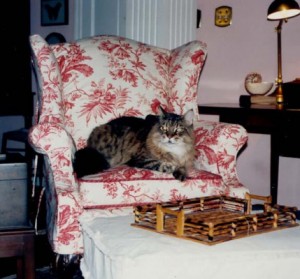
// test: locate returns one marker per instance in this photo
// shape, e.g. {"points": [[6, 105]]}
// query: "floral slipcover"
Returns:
{"points": [[93, 80]]}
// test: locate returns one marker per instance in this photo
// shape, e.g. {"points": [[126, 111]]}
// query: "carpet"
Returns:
{"points": [[46, 273]]}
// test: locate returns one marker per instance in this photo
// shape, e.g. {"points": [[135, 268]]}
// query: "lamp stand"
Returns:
{"points": [[281, 10], [279, 91]]}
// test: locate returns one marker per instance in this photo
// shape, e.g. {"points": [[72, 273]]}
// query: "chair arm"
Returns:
{"points": [[58, 147], [63, 198], [217, 147]]}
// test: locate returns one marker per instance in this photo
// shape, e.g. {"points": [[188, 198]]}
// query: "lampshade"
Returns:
{"points": [[282, 9]]}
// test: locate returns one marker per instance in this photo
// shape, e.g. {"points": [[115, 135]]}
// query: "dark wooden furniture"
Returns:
{"points": [[281, 123], [19, 243]]}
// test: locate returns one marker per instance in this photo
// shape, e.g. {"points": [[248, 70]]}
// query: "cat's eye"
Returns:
{"points": [[163, 129], [179, 131]]}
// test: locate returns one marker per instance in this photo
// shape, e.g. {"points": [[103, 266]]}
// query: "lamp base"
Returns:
{"points": [[278, 93]]}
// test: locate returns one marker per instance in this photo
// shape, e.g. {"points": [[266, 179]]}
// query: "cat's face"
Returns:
{"points": [[175, 129]]}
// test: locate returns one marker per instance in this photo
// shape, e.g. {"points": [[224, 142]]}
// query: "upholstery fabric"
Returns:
{"points": [[93, 80]]}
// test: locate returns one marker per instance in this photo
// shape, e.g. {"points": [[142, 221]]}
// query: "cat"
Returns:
{"points": [[162, 143]]}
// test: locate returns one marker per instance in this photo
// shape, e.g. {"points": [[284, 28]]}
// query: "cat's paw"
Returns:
{"points": [[167, 167], [179, 174]]}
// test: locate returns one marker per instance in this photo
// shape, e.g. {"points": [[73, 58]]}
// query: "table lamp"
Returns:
{"points": [[281, 10]]}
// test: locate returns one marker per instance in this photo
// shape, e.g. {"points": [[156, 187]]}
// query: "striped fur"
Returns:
{"points": [[163, 143]]}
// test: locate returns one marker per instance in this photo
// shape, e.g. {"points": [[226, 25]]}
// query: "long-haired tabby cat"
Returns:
{"points": [[162, 143]]}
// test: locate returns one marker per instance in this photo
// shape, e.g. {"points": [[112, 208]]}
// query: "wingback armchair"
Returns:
{"points": [[93, 80]]}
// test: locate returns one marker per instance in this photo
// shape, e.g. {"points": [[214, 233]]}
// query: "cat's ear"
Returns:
{"points": [[189, 117], [162, 112]]}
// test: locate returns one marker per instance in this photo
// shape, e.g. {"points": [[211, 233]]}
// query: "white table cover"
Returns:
{"points": [[116, 250]]}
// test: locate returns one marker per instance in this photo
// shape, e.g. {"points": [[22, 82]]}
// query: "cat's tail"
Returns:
{"points": [[89, 161]]}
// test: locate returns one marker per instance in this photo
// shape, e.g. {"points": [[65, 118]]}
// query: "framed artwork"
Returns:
{"points": [[54, 12]]}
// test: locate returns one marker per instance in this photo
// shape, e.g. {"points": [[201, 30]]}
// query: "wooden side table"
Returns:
{"points": [[19, 243]]}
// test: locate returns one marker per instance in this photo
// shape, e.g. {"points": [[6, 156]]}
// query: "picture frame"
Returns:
{"points": [[54, 12]]}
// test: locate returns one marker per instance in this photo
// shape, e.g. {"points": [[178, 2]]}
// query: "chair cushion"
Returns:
{"points": [[124, 186]]}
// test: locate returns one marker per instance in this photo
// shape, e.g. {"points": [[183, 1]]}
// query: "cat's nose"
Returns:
{"points": [[169, 139]]}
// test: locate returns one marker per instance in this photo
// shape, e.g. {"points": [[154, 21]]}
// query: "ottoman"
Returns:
{"points": [[113, 249]]}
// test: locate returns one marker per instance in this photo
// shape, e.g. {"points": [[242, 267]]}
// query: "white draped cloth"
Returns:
{"points": [[113, 249]]}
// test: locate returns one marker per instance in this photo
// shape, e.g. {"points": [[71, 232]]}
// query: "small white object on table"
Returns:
{"points": [[113, 249], [261, 88]]}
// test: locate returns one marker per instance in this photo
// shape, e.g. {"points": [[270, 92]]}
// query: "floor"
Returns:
{"points": [[44, 273]]}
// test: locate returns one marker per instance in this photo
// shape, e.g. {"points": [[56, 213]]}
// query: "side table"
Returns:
{"points": [[19, 243]]}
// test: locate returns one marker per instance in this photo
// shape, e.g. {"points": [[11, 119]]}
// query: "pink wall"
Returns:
{"points": [[249, 44]]}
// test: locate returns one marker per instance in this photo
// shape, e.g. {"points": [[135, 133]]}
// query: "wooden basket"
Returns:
{"points": [[214, 219]]}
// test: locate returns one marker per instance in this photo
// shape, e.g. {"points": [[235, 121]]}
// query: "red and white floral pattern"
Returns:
{"points": [[96, 79]]}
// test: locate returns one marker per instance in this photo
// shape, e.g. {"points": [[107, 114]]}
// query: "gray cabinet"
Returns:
{"points": [[13, 192]]}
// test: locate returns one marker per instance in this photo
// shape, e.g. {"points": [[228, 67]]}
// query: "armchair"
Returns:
{"points": [[93, 80]]}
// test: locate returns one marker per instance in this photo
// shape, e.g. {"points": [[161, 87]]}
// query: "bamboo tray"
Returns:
{"points": [[214, 219]]}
